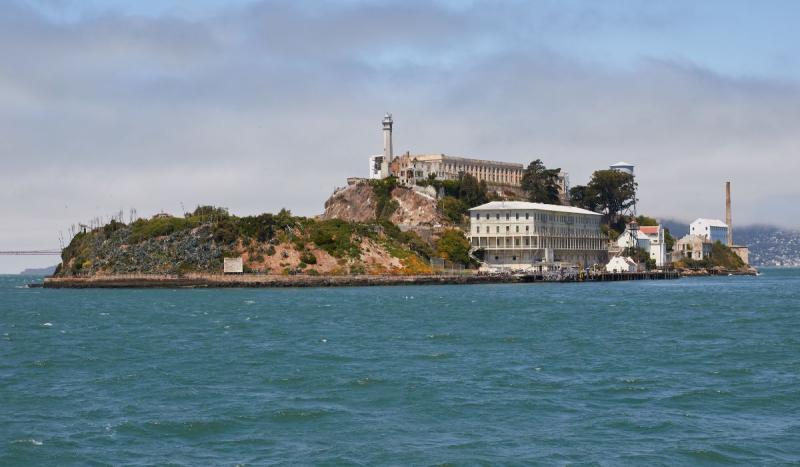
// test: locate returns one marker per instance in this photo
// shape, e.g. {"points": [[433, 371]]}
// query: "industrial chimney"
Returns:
{"points": [[728, 212]]}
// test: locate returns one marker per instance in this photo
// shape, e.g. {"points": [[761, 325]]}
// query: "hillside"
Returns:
{"points": [[273, 244], [769, 245], [47, 271]]}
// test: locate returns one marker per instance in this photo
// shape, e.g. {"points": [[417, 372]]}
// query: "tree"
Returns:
{"points": [[453, 208], [580, 196], [613, 192], [454, 246], [471, 191], [669, 240], [644, 220], [541, 183]]}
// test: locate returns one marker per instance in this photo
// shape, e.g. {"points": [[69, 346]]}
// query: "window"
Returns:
{"points": [[513, 258], [527, 215], [516, 215], [497, 216], [498, 229], [508, 228], [517, 229], [527, 228], [506, 216], [478, 229]]}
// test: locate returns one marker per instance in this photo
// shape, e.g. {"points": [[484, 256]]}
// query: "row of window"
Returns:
{"points": [[559, 231], [481, 168], [536, 242], [542, 217], [497, 229]]}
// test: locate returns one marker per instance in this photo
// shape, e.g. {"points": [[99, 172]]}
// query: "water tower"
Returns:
{"points": [[632, 226], [622, 167]]}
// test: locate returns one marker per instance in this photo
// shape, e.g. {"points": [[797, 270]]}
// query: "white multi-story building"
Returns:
{"points": [[650, 239], [712, 229], [522, 235]]}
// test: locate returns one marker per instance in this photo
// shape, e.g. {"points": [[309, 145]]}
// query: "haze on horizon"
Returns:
{"points": [[257, 105]]}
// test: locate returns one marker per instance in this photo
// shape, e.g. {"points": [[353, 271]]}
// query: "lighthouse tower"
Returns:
{"points": [[387, 146]]}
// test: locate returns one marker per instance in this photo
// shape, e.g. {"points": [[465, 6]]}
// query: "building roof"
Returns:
{"points": [[711, 222], [522, 205], [694, 238], [464, 160], [627, 259], [650, 229], [622, 164]]}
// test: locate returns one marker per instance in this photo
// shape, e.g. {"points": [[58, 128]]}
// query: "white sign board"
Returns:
{"points": [[233, 265]]}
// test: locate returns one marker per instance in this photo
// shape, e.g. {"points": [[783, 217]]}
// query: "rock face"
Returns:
{"points": [[415, 209], [358, 203], [354, 203], [300, 247]]}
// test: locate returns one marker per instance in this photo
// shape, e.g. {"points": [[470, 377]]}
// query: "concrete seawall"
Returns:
{"points": [[253, 280]]}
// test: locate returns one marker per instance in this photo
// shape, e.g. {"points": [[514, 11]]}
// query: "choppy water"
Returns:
{"points": [[688, 372]]}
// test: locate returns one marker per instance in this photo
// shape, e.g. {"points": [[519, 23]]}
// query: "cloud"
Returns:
{"points": [[274, 104]]}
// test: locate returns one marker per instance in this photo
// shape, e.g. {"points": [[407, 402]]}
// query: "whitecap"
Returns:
{"points": [[249, 302], [32, 441], [47, 324], [324, 340]]}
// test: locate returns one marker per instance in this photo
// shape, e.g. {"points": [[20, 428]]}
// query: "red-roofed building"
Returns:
{"points": [[649, 238]]}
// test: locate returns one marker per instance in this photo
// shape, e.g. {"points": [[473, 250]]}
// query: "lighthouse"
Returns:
{"points": [[387, 146]]}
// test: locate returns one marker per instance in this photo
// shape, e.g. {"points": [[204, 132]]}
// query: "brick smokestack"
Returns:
{"points": [[728, 212]]}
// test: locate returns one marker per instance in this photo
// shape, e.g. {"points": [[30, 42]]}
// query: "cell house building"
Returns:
{"points": [[518, 235]]}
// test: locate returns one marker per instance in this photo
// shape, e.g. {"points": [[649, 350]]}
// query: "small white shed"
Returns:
{"points": [[621, 264]]}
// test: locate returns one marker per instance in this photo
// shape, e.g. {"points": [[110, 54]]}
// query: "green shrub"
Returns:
{"points": [[454, 246], [260, 228], [112, 227], [225, 231], [384, 204], [143, 229], [357, 269], [308, 257], [453, 208], [335, 236]]}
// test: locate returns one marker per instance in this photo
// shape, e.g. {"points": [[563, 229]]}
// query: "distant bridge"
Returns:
{"points": [[31, 253]]}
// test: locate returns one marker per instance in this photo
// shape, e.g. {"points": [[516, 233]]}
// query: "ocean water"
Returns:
{"points": [[700, 371]]}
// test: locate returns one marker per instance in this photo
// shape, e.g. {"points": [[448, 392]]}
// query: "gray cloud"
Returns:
{"points": [[274, 104]]}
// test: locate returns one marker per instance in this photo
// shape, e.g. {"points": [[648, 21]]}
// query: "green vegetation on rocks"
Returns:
{"points": [[200, 240], [454, 246], [721, 257], [385, 205], [459, 195]]}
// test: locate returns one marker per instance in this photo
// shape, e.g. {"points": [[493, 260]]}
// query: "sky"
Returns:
{"points": [[256, 105]]}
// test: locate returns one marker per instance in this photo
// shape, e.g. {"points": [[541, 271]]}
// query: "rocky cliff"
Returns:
{"points": [[270, 244], [409, 208]]}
